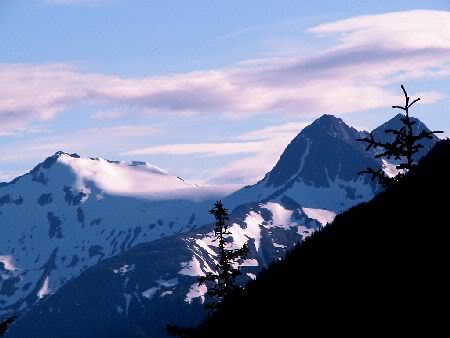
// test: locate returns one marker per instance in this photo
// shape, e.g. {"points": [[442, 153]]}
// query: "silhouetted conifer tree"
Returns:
{"points": [[224, 277], [5, 324], [402, 149], [222, 282]]}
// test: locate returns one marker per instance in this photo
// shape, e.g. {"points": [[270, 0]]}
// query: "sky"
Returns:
{"points": [[211, 91]]}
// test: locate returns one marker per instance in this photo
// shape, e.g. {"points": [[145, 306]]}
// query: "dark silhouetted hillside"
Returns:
{"points": [[379, 268]]}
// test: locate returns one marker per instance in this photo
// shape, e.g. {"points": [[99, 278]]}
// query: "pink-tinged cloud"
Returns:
{"points": [[106, 141], [209, 149], [261, 147], [370, 54]]}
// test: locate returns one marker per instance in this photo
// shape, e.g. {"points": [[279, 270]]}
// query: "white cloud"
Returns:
{"points": [[105, 140], [370, 54], [261, 147], [397, 30], [267, 133], [253, 167], [199, 148]]}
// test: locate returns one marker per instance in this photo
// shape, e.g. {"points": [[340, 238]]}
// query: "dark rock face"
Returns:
{"points": [[45, 199], [73, 198], [319, 167], [325, 150], [55, 226]]}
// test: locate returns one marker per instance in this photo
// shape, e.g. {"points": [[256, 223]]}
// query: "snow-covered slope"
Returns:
{"points": [[69, 213], [139, 291]]}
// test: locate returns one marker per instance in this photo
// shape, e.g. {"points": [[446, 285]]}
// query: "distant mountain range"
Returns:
{"points": [[119, 246]]}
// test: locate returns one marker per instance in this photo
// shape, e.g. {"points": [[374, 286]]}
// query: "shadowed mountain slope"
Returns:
{"points": [[380, 267]]}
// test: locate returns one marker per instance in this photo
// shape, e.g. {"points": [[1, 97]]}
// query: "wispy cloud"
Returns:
{"points": [[215, 149], [369, 54], [251, 168], [105, 140], [261, 149]]}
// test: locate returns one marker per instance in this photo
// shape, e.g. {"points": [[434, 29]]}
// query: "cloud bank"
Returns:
{"points": [[369, 54]]}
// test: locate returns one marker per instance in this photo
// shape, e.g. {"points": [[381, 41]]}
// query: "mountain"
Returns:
{"points": [[90, 239], [318, 169], [69, 213], [378, 268], [395, 123], [136, 293]]}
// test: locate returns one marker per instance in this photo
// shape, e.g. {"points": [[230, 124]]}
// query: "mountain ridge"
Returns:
{"points": [[83, 224]]}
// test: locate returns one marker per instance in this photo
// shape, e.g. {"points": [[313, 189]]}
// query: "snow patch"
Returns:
{"points": [[124, 269], [390, 169], [249, 262], [253, 230], [196, 291], [192, 268], [304, 231], [281, 217], [44, 290], [150, 293], [321, 215], [251, 275], [204, 245], [8, 262]]}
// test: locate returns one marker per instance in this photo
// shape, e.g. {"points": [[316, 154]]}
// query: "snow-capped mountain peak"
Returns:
{"points": [[70, 212], [122, 178]]}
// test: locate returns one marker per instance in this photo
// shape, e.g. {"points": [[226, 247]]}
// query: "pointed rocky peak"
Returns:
{"points": [[318, 169], [324, 148], [395, 123], [331, 126], [49, 161]]}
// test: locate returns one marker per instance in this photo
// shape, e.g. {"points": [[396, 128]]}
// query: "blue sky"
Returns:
{"points": [[210, 90]]}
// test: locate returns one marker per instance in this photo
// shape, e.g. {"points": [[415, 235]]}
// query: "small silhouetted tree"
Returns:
{"points": [[223, 279], [221, 282], [402, 149], [5, 324]]}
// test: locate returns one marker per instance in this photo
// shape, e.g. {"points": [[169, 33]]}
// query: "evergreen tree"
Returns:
{"points": [[222, 282], [402, 149], [224, 277]]}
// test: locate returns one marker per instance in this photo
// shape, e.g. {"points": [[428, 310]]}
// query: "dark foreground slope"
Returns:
{"points": [[380, 267]]}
